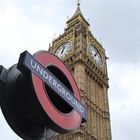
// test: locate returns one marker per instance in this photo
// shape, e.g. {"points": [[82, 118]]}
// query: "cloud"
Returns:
{"points": [[19, 32], [12, 26], [120, 28], [124, 100]]}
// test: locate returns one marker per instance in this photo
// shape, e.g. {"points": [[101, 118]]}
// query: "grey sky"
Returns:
{"points": [[31, 25]]}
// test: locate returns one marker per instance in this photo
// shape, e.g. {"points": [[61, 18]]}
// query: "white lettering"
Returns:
{"points": [[63, 91], [73, 101], [54, 83], [50, 79], [45, 74], [40, 70], [81, 109], [33, 66], [68, 95], [59, 87]]}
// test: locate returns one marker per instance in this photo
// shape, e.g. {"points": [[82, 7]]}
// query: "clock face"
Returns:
{"points": [[63, 50], [96, 56]]}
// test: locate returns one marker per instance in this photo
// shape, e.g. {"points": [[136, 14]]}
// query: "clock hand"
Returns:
{"points": [[62, 51], [95, 54]]}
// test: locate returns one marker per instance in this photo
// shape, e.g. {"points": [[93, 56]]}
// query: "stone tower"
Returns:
{"points": [[86, 59]]}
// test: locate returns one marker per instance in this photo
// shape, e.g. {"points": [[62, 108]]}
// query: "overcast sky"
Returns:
{"points": [[32, 24]]}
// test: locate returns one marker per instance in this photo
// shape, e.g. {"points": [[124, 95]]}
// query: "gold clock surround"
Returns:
{"points": [[96, 57], [64, 50]]}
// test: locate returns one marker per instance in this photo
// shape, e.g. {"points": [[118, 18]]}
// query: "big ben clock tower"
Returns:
{"points": [[86, 59]]}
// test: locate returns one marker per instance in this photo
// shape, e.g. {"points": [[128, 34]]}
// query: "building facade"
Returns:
{"points": [[86, 59]]}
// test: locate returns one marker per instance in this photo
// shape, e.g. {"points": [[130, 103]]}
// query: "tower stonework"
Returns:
{"points": [[86, 59]]}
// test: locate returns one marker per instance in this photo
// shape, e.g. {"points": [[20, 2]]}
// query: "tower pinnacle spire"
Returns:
{"points": [[78, 3], [77, 17]]}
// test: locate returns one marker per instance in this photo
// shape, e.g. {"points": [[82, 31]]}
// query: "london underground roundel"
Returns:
{"points": [[62, 116]]}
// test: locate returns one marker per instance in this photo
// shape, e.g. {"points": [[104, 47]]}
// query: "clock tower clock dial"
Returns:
{"points": [[63, 50], [95, 55]]}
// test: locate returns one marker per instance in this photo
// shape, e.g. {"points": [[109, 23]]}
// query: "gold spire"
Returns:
{"points": [[77, 15], [78, 10]]}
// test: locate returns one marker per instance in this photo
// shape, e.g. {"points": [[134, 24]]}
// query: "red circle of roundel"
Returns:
{"points": [[66, 121]]}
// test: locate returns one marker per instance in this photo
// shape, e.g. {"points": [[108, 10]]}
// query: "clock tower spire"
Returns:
{"points": [[86, 59], [78, 2], [77, 17]]}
